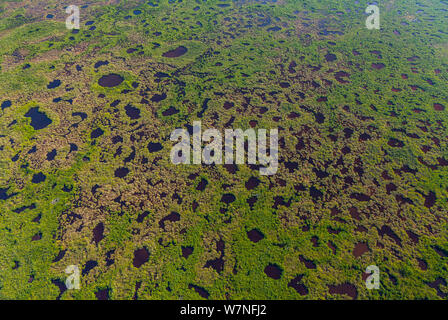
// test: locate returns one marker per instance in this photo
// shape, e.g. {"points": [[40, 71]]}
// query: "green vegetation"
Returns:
{"points": [[363, 175]]}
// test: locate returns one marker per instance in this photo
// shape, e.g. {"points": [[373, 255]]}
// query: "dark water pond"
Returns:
{"points": [[89, 266], [23, 208], [132, 112], [101, 63], [315, 193], [73, 147], [158, 97], [216, 264], [422, 264], [440, 251], [61, 285], [430, 199], [360, 249], [386, 230], [299, 287], [39, 120], [37, 237], [4, 194], [170, 111], [154, 147], [252, 183], [51, 155], [141, 217], [330, 57], [378, 66], [141, 256], [161, 75], [437, 107], [251, 202], [60, 255], [138, 284], [341, 75], [309, 264], [121, 172], [187, 251], [38, 178], [110, 80], [54, 84], [6, 104], [201, 291], [345, 288], [273, 271], [179, 51], [274, 29], [255, 235], [98, 232], [172, 217], [131, 156], [360, 197], [395, 143], [102, 294], [202, 185], [98, 132], [109, 260], [228, 198]]}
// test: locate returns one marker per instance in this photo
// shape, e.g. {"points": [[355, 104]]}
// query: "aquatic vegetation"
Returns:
{"points": [[86, 180]]}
